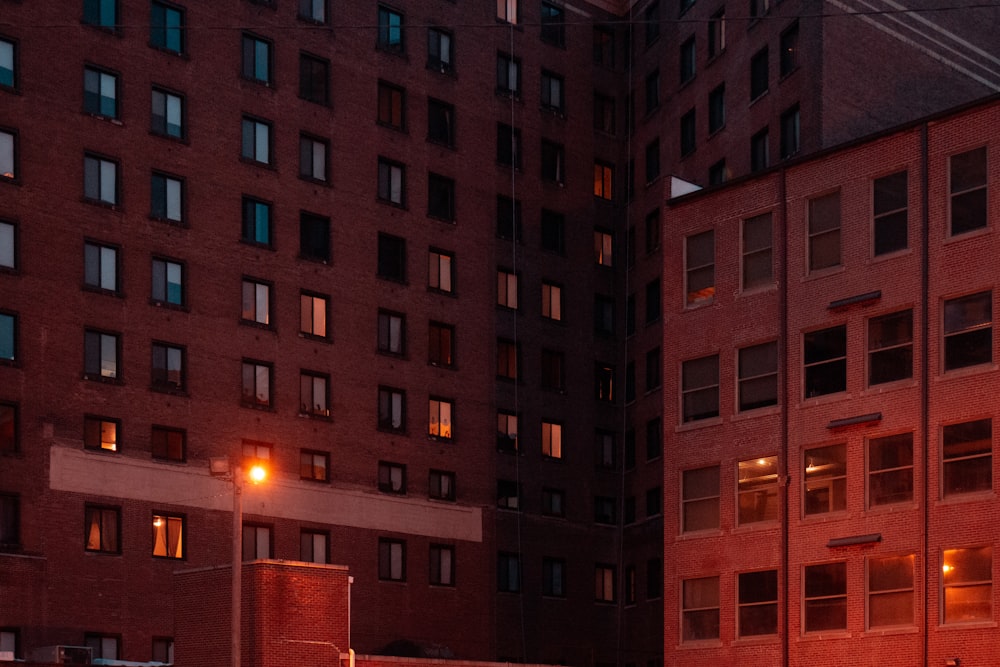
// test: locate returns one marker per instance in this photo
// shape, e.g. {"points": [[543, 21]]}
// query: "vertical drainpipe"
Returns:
{"points": [[783, 477], [925, 369]]}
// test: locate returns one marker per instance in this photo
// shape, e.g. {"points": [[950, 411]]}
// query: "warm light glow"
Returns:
{"points": [[157, 521], [761, 462], [257, 474], [946, 568]]}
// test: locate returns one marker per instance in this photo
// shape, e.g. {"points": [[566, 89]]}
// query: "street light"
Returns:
{"points": [[220, 467]]}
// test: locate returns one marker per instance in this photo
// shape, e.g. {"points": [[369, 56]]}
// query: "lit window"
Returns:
{"points": [[101, 356], [314, 394], [314, 547], [603, 248], [508, 74], [256, 384], [391, 477], [825, 479], [554, 577], [314, 466], [967, 456], [825, 361], [824, 232], [758, 376], [100, 266], [508, 565], [313, 314], [890, 469], [255, 452], [168, 536], [256, 140], [166, 195], [312, 158], [103, 526], [824, 597], [167, 114], [604, 583], [256, 542], [390, 30], [968, 331], [757, 490], [700, 269], [440, 344], [758, 603], [551, 301], [889, 212], [968, 191], [890, 591], [314, 237], [439, 419], [100, 177], [101, 13], [700, 609], [439, 50], [967, 582], [166, 28], [313, 10], [169, 444], [757, 263], [100, 92], [700, 388], [256, 227], [440, 270], [168, 372], [552, 92], [603, 176], [440, 122], [391, 107], [256, 302], [700, 499], [391, 409], [552, 440], [441, 485], [507, 289], [314, 79], [890, 347], [168, 282], [101, 433], [391, 333], [506, 431], [442, 565]]}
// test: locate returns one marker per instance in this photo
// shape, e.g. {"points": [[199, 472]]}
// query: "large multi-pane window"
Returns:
{"points": [[699, 258], [167, 114], [967, 457], [700, 613], [166, 27], [889, 213], [825, 479], [700, 499], [758, 376], [968, 331], [100, 177], [757, 602], [824, 597], [890, 591], [700, 388], [890, 469], [890, 347], [824, 354], [967, 585], [967, 182], [757, 490], [824, 231], [100, 92]]}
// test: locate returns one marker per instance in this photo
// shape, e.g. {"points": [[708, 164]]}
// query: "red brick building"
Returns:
{"points": [[829, 336], [398, 252]]}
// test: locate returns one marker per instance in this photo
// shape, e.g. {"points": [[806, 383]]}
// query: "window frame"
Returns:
{"points": [[313, 322], [256, 367], [252, 310], [552, 440], [166, 41], [391, 333], [173, 521], [890, 213], [821, 599], [704, 501], [314, 465], [967, 328], [315, 244], [311, 169], [553, 97], [441, 418], [250, 225], [98, 374], [441, 573], [389, 399], [252, 149], [161, 291], [309, 379], [386, 41], [816, 480], [755, 487], [95, 193], [979, 191], [160, 376], [254, 48], [164, 186], [164, 448], [440, 344], [94, 100], [690, 368], [101, 443], [440, 50], [441, 485], [825, 223], [314, 78], [752, 604], [696, 610], [981, 583], [391, 478], [391, 182], [819, 359], [957, 436], [435, 260], [391, 107], [102, 513]]}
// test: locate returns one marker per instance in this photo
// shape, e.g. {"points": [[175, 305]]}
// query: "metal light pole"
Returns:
{"points": [[237, 601]]}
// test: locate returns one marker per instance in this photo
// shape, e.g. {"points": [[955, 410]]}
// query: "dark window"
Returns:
{"points": [[688, 137], [168, 372], [652, 301], [553, 232], [258, 59], [508, 359], [100, 92], [652, 91], [554, 577], [553, 502], [757, 262], [314, 237], [654, 502], [100, 356], [825, 478], [760, 7], [553, 25], [890, 347], [314, 466], [257, 541], [101, 433], [440, 122], [790, 129], [442, 565], [391, 257], [390, 30], [699, 269], [168, 444], [700, 388], [967, 457], [758, 74], [824, 597], [824, 232], [8, 427], [758, 376], [314, 546], [654, 576], [508, 145], [314, 79], [605, 510], [9, 169], [651, 17], [789, 59], [890, 591], [687, 59], [101, 13], [607, 450], [256, 140], [553, 370], [652, 160], [717, 108], [313, 10], [654, 439], [256, 222], [166, 27], [103, 527], [440, 46], [968, 331], [312, 314], [508, 573], [604, 315], [889, 213], [391, 477], [508, 495], [391, 560], [604, 47], [508, 75], [440, 197], [509, 218], [391, 409], [441, 344], [630, 382], [604, 113], [604, 382], [441, 485], [553, 162], [824, 356], [759, 151], [717, 173], [552, 92], [107, 647], [654, 369], [700, 609], [8, 337], [757, 600], [167, 114], [890, 469], [391, 182], [968, 191], [717, 33], [391, 108]]}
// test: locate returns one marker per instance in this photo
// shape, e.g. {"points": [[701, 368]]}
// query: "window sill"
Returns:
{"points": [[170, 391], [395, 204], [448, 220], [963, 236], [967, 625], [958, 498], [114, 120], [315, 181], [166, 305], [99, 290], [785, 75], [258, 325], [257, 406], [756, 527], [100, 203], [756, 640], [255, 244], [512, 95], [442, 366], [555, 112], [391, 431], [822, 636], [182, 224], [322, 416], [697, 424], [754, 100], [163, 49], [257, 163], [695, 644], [448, 144], [964, 372], [699, 534], [102, 380], [394, 51], [10, 363], [322, 103], [879, 389], [443, 69], [891, 508], [302, 334], [112, 30]]}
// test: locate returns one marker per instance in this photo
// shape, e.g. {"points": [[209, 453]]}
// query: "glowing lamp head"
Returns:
{"points": [[257, 474]]}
